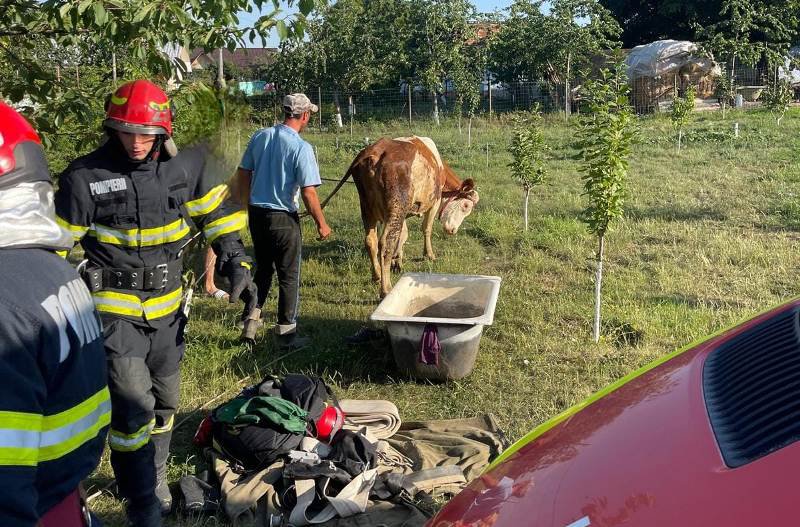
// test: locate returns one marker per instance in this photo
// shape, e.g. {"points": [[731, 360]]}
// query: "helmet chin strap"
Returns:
{"points": [[155, 152]]}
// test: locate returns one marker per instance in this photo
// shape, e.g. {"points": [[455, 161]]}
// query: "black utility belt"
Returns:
{"points": [[143, 279]]}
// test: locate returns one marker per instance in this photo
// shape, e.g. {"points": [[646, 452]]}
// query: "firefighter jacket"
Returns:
{"points": [[54, 402], [134, 218]]}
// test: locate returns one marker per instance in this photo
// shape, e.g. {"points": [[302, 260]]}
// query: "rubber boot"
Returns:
{"points": [[290, 342], [252, 323], [136, 480], [161, 443]]}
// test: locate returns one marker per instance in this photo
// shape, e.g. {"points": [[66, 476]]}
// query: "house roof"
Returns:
{"points": [[242, 57]]}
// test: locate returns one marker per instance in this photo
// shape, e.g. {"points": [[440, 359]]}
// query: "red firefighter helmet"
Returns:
{"points": [[330, 422], [21, 156], [139, 107]]}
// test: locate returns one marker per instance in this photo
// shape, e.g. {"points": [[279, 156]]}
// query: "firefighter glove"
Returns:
{"points": [[236, 268]]}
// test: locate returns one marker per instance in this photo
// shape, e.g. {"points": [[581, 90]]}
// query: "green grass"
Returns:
{"points": [[709, 237]]}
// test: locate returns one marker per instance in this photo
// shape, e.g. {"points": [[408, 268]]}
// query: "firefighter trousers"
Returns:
{"points": [[144, 381]]}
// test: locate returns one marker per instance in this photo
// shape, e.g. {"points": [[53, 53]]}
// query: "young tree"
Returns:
{"points": [[777, 98], [682, 108], [725, 91], [528, 150], [606, 134]]}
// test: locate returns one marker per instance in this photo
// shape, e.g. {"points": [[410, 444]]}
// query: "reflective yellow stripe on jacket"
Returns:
{"points": [[225, 225], [27, 438], [209, 202], [77, 231], [169, 233], [132, 306]]}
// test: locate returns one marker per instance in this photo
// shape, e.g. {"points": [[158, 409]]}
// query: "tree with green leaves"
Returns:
{"points": [[725, 91], [138, 29], [585, 29], [682, 108], [533, 45], [607, 132], [528, 150], [750, 31], [351, 46], [441, 32], [777, 98]]}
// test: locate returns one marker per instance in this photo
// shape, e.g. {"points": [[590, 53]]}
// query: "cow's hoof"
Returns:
{"points": [[397, 266], [431, 257]]}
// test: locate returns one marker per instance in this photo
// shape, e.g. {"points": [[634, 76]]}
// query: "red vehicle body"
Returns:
{"points": [[645, 452]]}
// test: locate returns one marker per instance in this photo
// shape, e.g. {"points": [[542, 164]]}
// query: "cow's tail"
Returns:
{"points": [[340, 184]]}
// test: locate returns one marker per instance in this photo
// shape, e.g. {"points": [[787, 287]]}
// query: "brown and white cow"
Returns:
{"points": [[401, 177]]}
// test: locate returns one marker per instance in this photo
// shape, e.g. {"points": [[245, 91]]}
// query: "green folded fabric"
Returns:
{"points": [[264, 409]]}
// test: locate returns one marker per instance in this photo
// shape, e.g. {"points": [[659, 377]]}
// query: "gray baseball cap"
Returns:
{"points": [[297, 103]]}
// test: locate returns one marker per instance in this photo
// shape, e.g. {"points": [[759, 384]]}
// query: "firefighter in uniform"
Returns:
{"points": [[130, 203], [54, 403]]}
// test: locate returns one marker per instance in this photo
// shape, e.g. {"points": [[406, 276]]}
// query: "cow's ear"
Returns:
{"points": [[467, 185]]}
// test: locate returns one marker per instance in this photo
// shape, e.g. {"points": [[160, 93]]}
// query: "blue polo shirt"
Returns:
{"points": [[282, 164]]}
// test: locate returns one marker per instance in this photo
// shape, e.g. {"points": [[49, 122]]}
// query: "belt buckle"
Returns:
{"points": [[164, 274]]}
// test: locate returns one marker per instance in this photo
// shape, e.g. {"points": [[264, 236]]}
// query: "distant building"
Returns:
{"points": [[240, 58]]}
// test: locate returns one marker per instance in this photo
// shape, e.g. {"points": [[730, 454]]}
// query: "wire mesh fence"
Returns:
{"points": [[648, 95]]}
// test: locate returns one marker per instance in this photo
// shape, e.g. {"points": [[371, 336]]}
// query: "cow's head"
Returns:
{"points": [[458, 206]]}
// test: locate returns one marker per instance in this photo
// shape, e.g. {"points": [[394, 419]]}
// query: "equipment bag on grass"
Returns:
{"points": [[268, 419]]}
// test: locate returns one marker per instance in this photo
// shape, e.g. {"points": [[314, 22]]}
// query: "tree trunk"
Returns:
{"points": [[435, 108], [351, 108], [489, 83], [525, 210], [567, 105], [220, 70], [319, 99], [680, 137], [114, 68], [409, 87], [597, 287], [338, 107], [469, 132]]}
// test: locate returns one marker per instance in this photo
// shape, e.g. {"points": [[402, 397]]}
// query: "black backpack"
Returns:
{"points": [[256, 446]]}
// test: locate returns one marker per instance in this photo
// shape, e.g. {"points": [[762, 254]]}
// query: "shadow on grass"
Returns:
{"points": [[337, 251], [678, 213], [696, 302]]}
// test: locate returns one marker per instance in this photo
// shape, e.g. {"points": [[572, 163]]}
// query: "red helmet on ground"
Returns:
{"points": [[330, 422], [21, 155], [139, 107]]}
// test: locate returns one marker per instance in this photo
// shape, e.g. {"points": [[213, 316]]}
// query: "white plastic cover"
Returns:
{"points": [[787, 72], [666, 57]]}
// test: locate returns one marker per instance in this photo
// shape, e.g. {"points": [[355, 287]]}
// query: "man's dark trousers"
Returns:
{"points": [[278, 243]]}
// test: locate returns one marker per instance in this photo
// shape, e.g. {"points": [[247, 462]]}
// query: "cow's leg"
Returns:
{"points": [[397, 261], [388, 246], [371, 243], [427, 228]]}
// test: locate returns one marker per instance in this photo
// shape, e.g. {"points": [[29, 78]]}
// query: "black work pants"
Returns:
{"points": [[144, 381], [278, 243]]}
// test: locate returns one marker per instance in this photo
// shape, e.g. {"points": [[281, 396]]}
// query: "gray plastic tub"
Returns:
{"points": [[459, 305]]}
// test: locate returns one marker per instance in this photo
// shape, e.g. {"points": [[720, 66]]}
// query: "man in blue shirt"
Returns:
{"points": [[278, 167]]}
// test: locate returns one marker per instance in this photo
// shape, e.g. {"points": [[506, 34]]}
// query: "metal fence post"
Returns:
{"points": [[319, 100]]}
